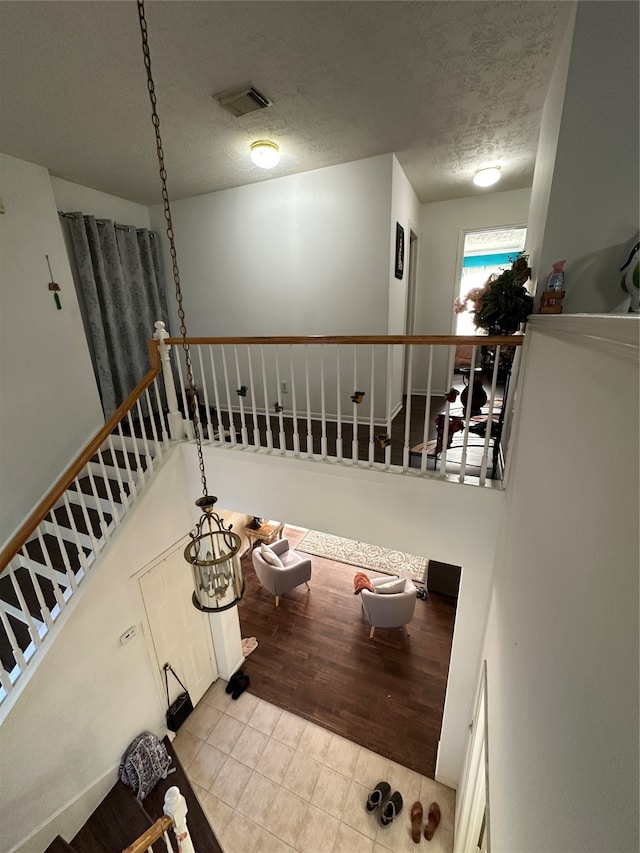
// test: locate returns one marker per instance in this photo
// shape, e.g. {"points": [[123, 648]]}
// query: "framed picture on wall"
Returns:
{"points": [[399, 250]]}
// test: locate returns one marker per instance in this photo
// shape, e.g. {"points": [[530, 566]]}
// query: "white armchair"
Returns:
{"points": [[393, 610], [295, 569]]}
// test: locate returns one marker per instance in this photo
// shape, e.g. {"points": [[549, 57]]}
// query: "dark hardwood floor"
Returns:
{"points": [[315, 658]]}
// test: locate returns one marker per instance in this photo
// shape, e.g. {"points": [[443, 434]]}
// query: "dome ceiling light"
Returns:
{"points": [[486, 177], [265, 154]]}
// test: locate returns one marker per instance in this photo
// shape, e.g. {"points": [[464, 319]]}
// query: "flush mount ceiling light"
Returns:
{"points": [[487, 177], [264, 154]]}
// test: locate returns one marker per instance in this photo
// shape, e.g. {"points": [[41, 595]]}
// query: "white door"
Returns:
{"points": [[471, 828], [180, 633]]}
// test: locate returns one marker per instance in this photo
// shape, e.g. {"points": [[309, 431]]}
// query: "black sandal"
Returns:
{"points": [[377, 797], [392, 809]]}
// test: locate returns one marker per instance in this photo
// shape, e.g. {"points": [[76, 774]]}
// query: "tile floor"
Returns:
{"points": [[271, 782]]}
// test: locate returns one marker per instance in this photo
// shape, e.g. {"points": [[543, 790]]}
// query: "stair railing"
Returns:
{"points": [[175, 815], [340, 398], [43, 564], [146, 841]]}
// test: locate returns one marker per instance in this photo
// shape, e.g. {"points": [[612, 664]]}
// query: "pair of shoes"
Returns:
{"points": [[391, 804], [241, 685], [233, 681], [416, 821]]}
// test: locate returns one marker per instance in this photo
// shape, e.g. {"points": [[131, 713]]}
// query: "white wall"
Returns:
{"points": [[562, 638], [593, 212], [305, 254], [444, 521], [442, 228], [50, 405], [72, 197], [90, 696]]}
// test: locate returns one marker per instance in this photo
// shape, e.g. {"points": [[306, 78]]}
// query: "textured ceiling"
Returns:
{"points": [[447, 86]]}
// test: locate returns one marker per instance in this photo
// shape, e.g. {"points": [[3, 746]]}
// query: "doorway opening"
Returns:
{"points": [[485, 253]]}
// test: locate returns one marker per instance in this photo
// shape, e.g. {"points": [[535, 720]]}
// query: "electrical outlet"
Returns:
{"points": [[284, 386], [129, 634]]}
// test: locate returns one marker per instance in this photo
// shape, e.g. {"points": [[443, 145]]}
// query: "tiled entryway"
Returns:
{"points": [[272, 782]]}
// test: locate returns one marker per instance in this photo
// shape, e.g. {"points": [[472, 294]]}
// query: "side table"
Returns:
{"points": [[268, 532]]}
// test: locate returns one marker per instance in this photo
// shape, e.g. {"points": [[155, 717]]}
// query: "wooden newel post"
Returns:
{"points": [[176, 426], [175, 806]]}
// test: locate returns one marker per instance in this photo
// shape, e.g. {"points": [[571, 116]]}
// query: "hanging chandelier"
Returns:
{"points": [[214, 549]]}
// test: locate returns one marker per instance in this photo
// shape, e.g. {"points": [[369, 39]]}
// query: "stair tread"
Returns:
{"points": [[59, 845], [200, 829], [114, 825]]}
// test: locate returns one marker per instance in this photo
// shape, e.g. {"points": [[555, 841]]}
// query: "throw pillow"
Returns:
{"points": [[391, 587], [360, 582], [269, 557]]}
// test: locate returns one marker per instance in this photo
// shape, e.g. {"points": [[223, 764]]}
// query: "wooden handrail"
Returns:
{"points": [[149, 837], [436, 340], [64, 481]]}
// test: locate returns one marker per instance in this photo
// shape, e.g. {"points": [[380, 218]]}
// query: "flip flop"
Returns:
{"points": [[416, 822], [377, 797], [391, 809], [432, 823]]}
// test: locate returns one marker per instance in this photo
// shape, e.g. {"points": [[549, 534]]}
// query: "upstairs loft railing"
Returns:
{"points": [[46, 561], [337, 399], [344, 400]]}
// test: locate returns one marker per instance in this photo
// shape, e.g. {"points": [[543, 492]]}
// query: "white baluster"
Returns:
{"points": [[294, 405], [176, 427], [467, 416], [267, 413], [427, 414], [372, 397], [323, 407], [243, 422], [338, 408], [407, 414], [489, 424], [387, 450], [281, 435], [308, 396], [207, 410], [354, 435], [216, 394], [175, 806], [254, 411], [232, 423]]}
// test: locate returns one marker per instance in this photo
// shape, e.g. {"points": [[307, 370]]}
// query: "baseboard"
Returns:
{"points": [[69, 819]]}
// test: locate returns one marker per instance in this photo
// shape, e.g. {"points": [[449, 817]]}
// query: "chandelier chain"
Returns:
{"points": [[170, 236]]}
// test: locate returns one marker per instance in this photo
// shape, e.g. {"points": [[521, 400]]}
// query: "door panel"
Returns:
{"points": [[180, 633]]}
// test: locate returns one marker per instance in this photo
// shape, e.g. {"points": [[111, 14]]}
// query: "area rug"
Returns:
{"points": [[362, 555]]}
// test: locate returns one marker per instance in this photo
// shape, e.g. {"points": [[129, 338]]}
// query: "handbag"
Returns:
{"points": [[179, 710]]}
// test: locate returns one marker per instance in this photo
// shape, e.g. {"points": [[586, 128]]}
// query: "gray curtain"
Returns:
{"points": [[121, 291]]}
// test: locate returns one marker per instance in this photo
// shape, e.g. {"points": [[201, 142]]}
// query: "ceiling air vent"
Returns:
{"points": [[239, 102]]}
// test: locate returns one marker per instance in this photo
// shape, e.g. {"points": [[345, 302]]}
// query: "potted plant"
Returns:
{"points": [[505, 302]]}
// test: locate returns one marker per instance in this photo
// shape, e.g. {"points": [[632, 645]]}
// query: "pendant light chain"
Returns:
{"points": [[172, 246]]}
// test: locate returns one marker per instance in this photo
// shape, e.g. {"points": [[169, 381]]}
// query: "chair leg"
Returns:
{"points": [[307, 585], [372, 632], [406, 630], [277, 600]]}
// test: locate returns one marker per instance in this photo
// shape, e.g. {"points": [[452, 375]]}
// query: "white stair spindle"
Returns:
{"points": [[47, 618], [232, 423], [281, 436], [267, 411], [489, 423], [131, 480], [58, 593], [187, 423], [254, 411], [467, 417], [508, 411], [176, 428], [427, 414], [136, 451], [107, 484], [205, 399], [154, 432], [387, 450], [445, 431], [123, 496], [243, 425], [216, 394], [95, 544], [175, 806], [63, 552], [161, 415], [338, 407], [323, 407], [76, 535], [308, 398], [407, 411], [354, 436], [28, 618], [5, 680], [294, 407], [372, 426], [145, 439], [15, 646]]}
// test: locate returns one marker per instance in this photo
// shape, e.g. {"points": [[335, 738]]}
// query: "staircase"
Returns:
{"points": [[54, 552], [121, 818]]}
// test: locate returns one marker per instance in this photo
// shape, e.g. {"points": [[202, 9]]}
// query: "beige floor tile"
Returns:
{"points": [[289, 729], [286, 816], [432, 791], [314, 741], [225, 733], [318, 832], [258, 799], [240, 835], [397, 836], [249, 747], [206, 765], [202, 720], [187, 746], [265, 717], [217, 812], [243, 707], [217, 696], [407, 781], [355, 813], [268, 843], [331, 792], [342, 755], [199, 792], [370, 769], [231, 782], [350, 841], [378, 848], [274, 761], [302, 775]]}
